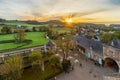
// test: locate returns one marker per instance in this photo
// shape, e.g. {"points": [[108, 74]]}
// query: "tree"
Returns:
{"points": [[20, 35], [73, 31], [106, 37], [2, 20], [13, 67], [54, 61], [36, 58], [36, 61], [117, 34], [66, 65], [34, 29], [6, 30], [65, 44], [50, 32]]}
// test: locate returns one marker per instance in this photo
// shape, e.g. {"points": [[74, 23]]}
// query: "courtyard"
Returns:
{"points": [[88, 70]]}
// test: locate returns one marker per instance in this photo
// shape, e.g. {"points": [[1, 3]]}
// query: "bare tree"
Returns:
{"points": [[64, 44]]}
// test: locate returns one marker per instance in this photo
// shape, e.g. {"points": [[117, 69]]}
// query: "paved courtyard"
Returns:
{"points": [[88, 71]]}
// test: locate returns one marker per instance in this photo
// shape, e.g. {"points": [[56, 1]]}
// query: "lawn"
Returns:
{"points": [[62, 30], [36, 37]]}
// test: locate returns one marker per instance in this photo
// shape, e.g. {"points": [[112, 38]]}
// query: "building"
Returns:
{"points": [[105, 54], [111, 54], [50, 46], [91, 48]]}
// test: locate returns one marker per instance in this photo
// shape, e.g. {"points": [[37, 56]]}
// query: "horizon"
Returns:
{"points": [[97, 11]]}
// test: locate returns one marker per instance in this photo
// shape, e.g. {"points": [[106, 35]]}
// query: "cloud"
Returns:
{"points": [[56, 9], [115, 2]]}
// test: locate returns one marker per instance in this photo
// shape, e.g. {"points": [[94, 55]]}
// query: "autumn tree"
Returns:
{"points": [[54, 61], [36, 59], [12, 68], [65, 44]]}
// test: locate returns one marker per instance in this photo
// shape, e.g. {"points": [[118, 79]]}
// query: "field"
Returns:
{"points": [[36, 37], [16, 23], [62, 30]]}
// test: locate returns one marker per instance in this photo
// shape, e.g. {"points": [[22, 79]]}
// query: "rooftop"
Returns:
{"points": [[114, 43], [90, 43], [50, 43]]}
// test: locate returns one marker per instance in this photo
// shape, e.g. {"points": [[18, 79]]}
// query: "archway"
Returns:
{"points": [[111, 64]]}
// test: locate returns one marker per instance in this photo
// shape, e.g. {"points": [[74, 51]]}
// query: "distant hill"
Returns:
{"points": [[32, 22], [54, 22], [29, 22]]}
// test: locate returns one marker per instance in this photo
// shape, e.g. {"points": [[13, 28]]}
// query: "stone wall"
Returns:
{"points": [[112, 77], [111, 52]]}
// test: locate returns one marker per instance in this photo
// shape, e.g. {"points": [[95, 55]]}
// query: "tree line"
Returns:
{"points": [[107, 37]]}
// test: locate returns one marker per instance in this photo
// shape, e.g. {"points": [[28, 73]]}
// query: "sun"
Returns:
{"points": [[69, 20]]}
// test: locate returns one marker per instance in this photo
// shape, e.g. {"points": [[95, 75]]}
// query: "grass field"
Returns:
{"points": [[14, 23], [36, 37], [62, 30]]}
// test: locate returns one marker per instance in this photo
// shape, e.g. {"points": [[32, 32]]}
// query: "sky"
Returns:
{"points": [[94, 11]]}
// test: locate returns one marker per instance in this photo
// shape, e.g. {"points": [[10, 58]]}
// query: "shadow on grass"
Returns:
{"points": [[24, 43], [13, 41], [7, 41]]}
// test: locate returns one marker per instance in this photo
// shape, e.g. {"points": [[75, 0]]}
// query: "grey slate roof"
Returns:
{"points": [[115, 43], [90, 43], [50, 43]]}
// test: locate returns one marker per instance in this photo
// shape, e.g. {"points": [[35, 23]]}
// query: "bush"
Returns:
{"points": [[27, 30], [34, 29]]}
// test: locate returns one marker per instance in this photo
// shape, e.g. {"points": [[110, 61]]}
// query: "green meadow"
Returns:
{"points": [[62, 30], [7, 41]]}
